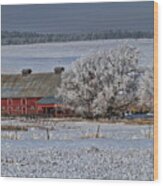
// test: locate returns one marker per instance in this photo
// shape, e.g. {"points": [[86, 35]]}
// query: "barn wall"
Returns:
{"points": [[19, 106], [29, 106]]}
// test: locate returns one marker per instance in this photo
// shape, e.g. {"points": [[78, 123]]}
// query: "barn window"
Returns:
{"points": [[10, 101], [23, 110], [23, 101]]}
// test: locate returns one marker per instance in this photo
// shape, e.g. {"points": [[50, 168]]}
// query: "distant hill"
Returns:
{"points": [[16, 38]]}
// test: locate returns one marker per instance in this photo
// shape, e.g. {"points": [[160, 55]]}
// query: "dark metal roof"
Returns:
{"points": [[50, 100], [31, 85]]}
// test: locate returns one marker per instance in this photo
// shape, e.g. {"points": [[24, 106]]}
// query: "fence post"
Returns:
{"points": [[47, 132], [97, 132]]}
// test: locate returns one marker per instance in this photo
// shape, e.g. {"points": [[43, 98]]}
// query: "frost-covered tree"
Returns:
{"points": [[103, 84], [146, 90]]}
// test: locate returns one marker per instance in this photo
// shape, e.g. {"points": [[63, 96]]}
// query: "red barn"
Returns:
{"points": [[28, 94]]}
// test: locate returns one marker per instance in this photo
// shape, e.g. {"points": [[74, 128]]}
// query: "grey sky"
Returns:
{"points": [[75, 18]]}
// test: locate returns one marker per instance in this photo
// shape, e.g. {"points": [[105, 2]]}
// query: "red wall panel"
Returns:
{"points": [[19, 106]]}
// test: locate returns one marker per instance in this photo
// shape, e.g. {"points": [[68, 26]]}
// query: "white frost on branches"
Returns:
{"points": [[105, 83], [146, 90]]}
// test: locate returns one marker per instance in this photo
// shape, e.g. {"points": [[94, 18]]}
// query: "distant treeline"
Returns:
{"points": [[17, 38]]}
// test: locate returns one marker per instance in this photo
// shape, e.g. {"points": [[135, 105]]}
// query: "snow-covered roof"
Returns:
{"points": [[31, 85]]}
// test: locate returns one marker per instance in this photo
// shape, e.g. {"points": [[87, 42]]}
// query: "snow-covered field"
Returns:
{"points": [[72, 151], [44, 57]]}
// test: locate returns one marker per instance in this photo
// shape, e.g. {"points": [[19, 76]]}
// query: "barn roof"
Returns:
{"points": [[50, 100], [31, 85]]}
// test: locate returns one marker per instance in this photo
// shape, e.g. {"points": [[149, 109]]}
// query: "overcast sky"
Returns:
{"points": [[75, 18]]}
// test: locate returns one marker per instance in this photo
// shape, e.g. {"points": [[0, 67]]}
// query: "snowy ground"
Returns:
{"points": [[44, 57], [120, 152]]}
